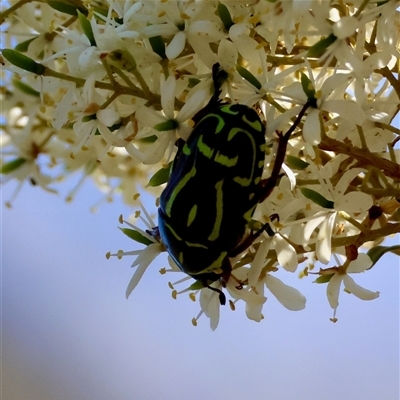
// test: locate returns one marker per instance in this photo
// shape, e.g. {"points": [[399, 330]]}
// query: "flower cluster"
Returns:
{"points": [[105, 88]]}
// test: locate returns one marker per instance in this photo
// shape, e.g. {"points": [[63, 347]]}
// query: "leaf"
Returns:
{"points": [[136, 236], [24, 88], [323, 278], [87, 28], [149, 139], [244, 73], [23, 46], [319, 48], [193, 82], [377, 252], [12, 165], [20, 60], [308, 87], [167, 125], [196, 285], [161, 176], [158, 46], [225, 16], [70, 7], [317, 198], [296, 163]]}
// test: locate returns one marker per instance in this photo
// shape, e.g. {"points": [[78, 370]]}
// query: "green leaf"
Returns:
{"points": [[319, 48], [87, 28], [70, 7], [324, 278], [377, 252], [296, 163], [20, 60], [308, 87], [196, 286], [23, 46], [161, 176], [193, 82], [24, 88], [149, 139], [158, 46], [317, 198], [225, 16], [136, 236], [167, 125], [12, 165], [244, 73]]}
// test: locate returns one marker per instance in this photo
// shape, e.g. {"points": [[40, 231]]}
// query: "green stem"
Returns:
{"points": [[361, 8], [109, 101]]}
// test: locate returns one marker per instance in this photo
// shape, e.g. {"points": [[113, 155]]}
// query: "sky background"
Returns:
{"points": [[68, 331]]}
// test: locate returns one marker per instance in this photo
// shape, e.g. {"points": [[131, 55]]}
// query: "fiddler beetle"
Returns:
{"points": [[214, 187]]}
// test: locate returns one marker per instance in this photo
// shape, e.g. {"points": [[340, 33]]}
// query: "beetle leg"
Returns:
{"points": [[222, 297], [268, 185], [253, 236]]}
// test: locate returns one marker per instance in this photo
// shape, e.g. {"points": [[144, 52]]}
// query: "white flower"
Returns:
{"points": [[288, 296], [84, 109], [210, 300], [361, 264], [351, 202], [150, 118], [145, 256], [197, 25]]}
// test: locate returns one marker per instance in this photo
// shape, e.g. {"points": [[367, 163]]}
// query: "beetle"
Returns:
{"points": [[214, 187]]}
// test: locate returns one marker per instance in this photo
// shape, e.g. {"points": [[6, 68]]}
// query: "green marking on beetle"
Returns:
{"points": [[190, 244], [218, 217], [257, 180], [225, 160], [220, 124], [249, 213], [228, 110], [173, 232], [204, 149], [215, 266], [180, 258], [238, 179], [263, 147], [192, 215], [217, 263], [261, 164], [181, 184], [254, 124]]}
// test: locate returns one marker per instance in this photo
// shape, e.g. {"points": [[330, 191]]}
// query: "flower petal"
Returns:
{"points": [[288, 296], [348, 110], [323, 250], [258, 262], [357, 290], [168, 88], [362, 263], [254, 311], [209, 303], [176, 46], [287, 256], [332, 290], [354, 202], [312, 128], [147, 256]]}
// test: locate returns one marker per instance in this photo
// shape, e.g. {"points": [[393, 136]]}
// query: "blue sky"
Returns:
{"points": [[69, 333]]}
